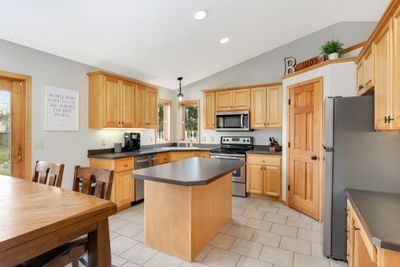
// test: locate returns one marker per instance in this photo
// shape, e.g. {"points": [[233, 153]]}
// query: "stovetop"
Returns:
{"points": [[229, 151]]}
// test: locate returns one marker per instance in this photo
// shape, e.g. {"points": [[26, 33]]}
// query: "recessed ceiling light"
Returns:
{"points": [[224, 40], [200, 15]]}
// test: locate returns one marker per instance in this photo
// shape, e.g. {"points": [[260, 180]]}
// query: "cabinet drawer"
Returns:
{"points": [[264, 160], [124, 164]]}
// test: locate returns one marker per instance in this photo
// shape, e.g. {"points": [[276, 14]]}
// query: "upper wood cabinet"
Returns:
{"points": [[111, 102], [365, 72], [209, 110], [266, 107], [117, 102], [237, 99]]}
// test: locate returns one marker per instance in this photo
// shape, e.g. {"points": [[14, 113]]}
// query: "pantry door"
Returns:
{"points": [[305, 151], [15, 128]]}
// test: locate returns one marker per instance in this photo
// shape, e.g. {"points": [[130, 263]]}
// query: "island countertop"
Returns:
{"points": [[189, 172], [380, 215]]}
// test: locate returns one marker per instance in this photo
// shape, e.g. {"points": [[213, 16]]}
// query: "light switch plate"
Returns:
{"points": [[39, 145]]}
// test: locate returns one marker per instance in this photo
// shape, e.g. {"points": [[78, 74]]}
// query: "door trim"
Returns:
{"points": [[319, 79], [27, 120]]}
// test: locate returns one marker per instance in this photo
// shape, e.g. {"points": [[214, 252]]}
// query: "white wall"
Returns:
{"points": [[269, 67], [338, 80], [69, 148]]}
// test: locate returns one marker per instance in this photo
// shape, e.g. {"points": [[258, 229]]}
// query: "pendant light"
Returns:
{"points": [[180, 95]]}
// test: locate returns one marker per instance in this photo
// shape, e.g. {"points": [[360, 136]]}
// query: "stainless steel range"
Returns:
{"points": [[235, 147]]}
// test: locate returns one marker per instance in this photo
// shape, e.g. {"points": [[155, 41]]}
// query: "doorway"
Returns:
{"points": [[15, 125], [305, 147]]}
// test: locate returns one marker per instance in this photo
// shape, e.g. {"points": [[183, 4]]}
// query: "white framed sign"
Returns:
{"points": [[61, 109]]}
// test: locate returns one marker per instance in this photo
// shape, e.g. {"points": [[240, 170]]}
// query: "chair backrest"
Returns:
{"points": [[93, 181], [48, 173]]}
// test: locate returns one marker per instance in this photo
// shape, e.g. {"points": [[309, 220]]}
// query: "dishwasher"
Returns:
{"points": [[142, 162]]}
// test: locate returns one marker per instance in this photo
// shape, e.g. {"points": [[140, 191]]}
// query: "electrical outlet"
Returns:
{"points": [[39, 145], [103, 142]]}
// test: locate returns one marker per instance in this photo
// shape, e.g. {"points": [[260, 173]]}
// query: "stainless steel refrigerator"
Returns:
{"points": [[356, 156]]}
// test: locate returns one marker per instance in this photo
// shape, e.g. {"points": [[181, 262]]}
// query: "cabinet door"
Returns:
{"points": [[224, 100], [124, 186], [152, 102], [127, 104], [360, 78], [368, 70], [258, 116], [274, 107], [383, 78], [272, 181], [111, 111], [209, 110], [241, 99], [396, 71], [140, 106], [255, 176]]}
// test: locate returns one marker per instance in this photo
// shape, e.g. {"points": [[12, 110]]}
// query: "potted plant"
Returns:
{"points": [[332, 49]]}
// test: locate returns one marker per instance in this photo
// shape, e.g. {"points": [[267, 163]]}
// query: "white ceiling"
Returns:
{"points": [[158, 40]]}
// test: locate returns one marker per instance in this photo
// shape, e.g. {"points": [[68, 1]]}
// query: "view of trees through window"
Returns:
{"points": [[191, 127], [163, 121], [5, 104]]}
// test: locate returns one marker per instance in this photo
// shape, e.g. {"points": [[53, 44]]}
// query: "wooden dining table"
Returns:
{"points": [[35, 218]]}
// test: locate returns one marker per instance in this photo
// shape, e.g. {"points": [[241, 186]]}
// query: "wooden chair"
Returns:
{"points": [[87, 180], [48, 173]]}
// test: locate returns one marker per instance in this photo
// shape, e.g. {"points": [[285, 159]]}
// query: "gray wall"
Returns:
{"points": [[269, 67], [69, 148]]}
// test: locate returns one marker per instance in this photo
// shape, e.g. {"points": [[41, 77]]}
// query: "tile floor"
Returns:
{"points": [[262, 233]]}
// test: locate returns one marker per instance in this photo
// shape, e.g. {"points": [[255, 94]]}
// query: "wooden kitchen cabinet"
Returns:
{"points": [[111, 102], [266, 107], [209, 110], [180, 155], [118, 102], [162, 158], [123, 189], [365, 72], [231, 100], [263, 175], [146, 107]]}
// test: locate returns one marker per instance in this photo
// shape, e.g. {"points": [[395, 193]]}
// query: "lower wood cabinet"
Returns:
{"points": [[123, 189], [162, 158], [361, 252], [264, 175]]}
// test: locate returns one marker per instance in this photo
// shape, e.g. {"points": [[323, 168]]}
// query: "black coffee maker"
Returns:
{"points": [[132, 142]]}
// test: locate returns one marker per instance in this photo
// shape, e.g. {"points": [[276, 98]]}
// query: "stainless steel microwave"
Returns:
{"points": [[233, 121]]}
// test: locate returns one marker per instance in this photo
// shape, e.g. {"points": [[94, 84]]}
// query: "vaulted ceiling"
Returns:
{"points": [[159, 40]]}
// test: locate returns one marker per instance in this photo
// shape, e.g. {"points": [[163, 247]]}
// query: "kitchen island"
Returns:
{"points": [[186, 203]]}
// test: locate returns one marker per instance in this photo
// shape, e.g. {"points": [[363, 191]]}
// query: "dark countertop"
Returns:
{"points": [[380, 215], [143, 152], [264, 151], [189, 172]]}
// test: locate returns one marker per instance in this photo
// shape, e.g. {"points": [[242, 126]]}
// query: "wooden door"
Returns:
{"points": [[272, 181], [255, 176], [152, 103], [305, 127], [274, 107], [209, 110], [127, 105], [111, 111], [383, 78], [224, 100], [360, 77], [396, 71], [241, 99], [13, 149], [258, 116], [124, 187], [140, 106]]}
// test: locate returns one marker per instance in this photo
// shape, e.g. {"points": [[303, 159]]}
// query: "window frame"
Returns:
{"points": [[168, 103], [182, 104]]}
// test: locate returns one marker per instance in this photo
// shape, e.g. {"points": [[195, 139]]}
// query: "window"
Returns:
{"points": [[189, 117], [163, 133]]}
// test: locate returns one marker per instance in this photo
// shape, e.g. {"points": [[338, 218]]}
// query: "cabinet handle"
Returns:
{"points": [[356, 228], [314, 157], [388, 119], [360, 87]]}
